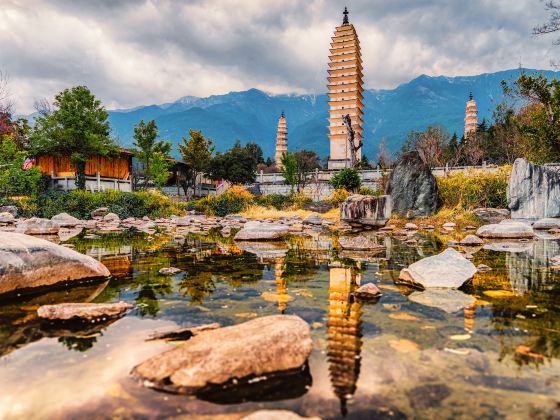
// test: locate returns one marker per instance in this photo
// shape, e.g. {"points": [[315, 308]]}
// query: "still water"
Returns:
{"points": [[489, 351]]}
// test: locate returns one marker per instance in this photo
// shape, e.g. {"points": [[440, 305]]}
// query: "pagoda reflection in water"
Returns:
{"points": [[344, 333]]}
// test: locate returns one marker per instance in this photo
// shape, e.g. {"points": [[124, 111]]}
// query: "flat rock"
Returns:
{"points": [[85, 311], [359, 243], [509, 230], [65, 220], [446, 270], [6, 217], [547, 223], [112, 218], [411, 226], [169, 271], [37, 226], [276, 415], [258, 231], [367, 291], [26, 261], [259, 347], [491, 215], [313, 219], [448, 300], [471, 240]]}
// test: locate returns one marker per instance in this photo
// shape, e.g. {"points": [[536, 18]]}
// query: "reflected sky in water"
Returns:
{"points": [[491, 349]]}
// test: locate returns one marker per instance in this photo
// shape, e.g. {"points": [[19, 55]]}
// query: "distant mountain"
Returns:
{"points": [[252, 115]]}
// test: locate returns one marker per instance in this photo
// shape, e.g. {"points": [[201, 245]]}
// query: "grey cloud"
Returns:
{"points": [[136, 52]]}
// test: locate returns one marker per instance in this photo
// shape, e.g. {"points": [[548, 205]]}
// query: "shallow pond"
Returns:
{"points": [[491, 350]]}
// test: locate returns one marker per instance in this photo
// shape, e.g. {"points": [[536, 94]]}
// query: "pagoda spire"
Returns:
{"points": [[345, 13], [281, 140], [471, 117]]}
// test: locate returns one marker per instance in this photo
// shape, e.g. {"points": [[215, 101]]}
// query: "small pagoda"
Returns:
{"points": [[281, 140], [471, 117], [345, 93]]}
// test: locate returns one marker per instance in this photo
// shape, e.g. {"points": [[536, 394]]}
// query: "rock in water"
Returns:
{"points": [[533, 191], [27, 262], [471, 240], [262, 346], [446, 270], [547, 223], [65, 220], [368, 291], [359, 243], [83, 311], [276, 415], [491, 215], [313, 219], [366, 210], [448, 300], [37, 226], [509, 230], [413, 187], [258, 231]]}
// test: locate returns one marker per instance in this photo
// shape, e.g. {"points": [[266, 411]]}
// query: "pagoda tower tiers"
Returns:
{"points": [[471, 117], [344, 330], [281, 140], [345, 93]]}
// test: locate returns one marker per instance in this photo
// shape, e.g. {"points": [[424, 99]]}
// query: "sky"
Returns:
{"points": [[134, 52]]}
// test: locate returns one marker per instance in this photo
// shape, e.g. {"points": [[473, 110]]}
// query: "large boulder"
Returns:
{"points": [[413, 187], [258, 231], [263, 346], [506, 230], [6, 217], [533, 191], [366, 210], [26, 261], [446, 270], [37, 226], [65, 220], [13, 210]]}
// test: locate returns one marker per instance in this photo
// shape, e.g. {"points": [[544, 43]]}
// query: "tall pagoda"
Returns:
{"points": [[281, 140], [471, 117], [345, 93]]}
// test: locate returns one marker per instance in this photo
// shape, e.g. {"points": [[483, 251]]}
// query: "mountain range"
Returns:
{"points": [[389, 114]]}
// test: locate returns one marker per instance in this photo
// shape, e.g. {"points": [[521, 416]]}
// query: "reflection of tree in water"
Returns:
{"points": [[201, 276], [344, 333], [79, 343], [538, 313]]}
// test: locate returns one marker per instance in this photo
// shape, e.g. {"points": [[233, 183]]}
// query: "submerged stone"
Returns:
{"points": [[230, 356], [446, 270], [471, 240], [366, 210], [26, 261], [448, 300]]}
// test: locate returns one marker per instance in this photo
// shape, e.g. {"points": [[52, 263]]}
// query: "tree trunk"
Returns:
{"points": [[81, 175]]}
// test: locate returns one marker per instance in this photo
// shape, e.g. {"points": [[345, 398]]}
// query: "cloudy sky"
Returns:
{"points": [[133, 52]]}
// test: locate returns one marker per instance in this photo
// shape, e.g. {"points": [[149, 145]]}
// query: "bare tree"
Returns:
{"points": [[353, 148], [43, 107], [383, 156], [430, 144], [553, 24], [6, 104]]}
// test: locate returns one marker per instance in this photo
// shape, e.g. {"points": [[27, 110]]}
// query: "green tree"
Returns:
{"points": [[347, 178], [14, 179], [196, 152], [78, 129], [152, 153], [289, 169], [307, 161], [237, 165], [256, 151]]}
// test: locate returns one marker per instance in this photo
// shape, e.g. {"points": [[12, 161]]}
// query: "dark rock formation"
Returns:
{"points": [[366, 210], [413, 187], [533, 191]]}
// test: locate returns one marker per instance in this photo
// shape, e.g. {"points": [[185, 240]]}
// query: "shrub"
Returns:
{"points": [[475, 189], [367, 191], [340, 195], [80, 203], [347, 178], [234, 200], [299, 200], [278, 201]]}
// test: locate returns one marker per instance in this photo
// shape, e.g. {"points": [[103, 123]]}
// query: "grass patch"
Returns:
{"points": [[260, 212]]}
